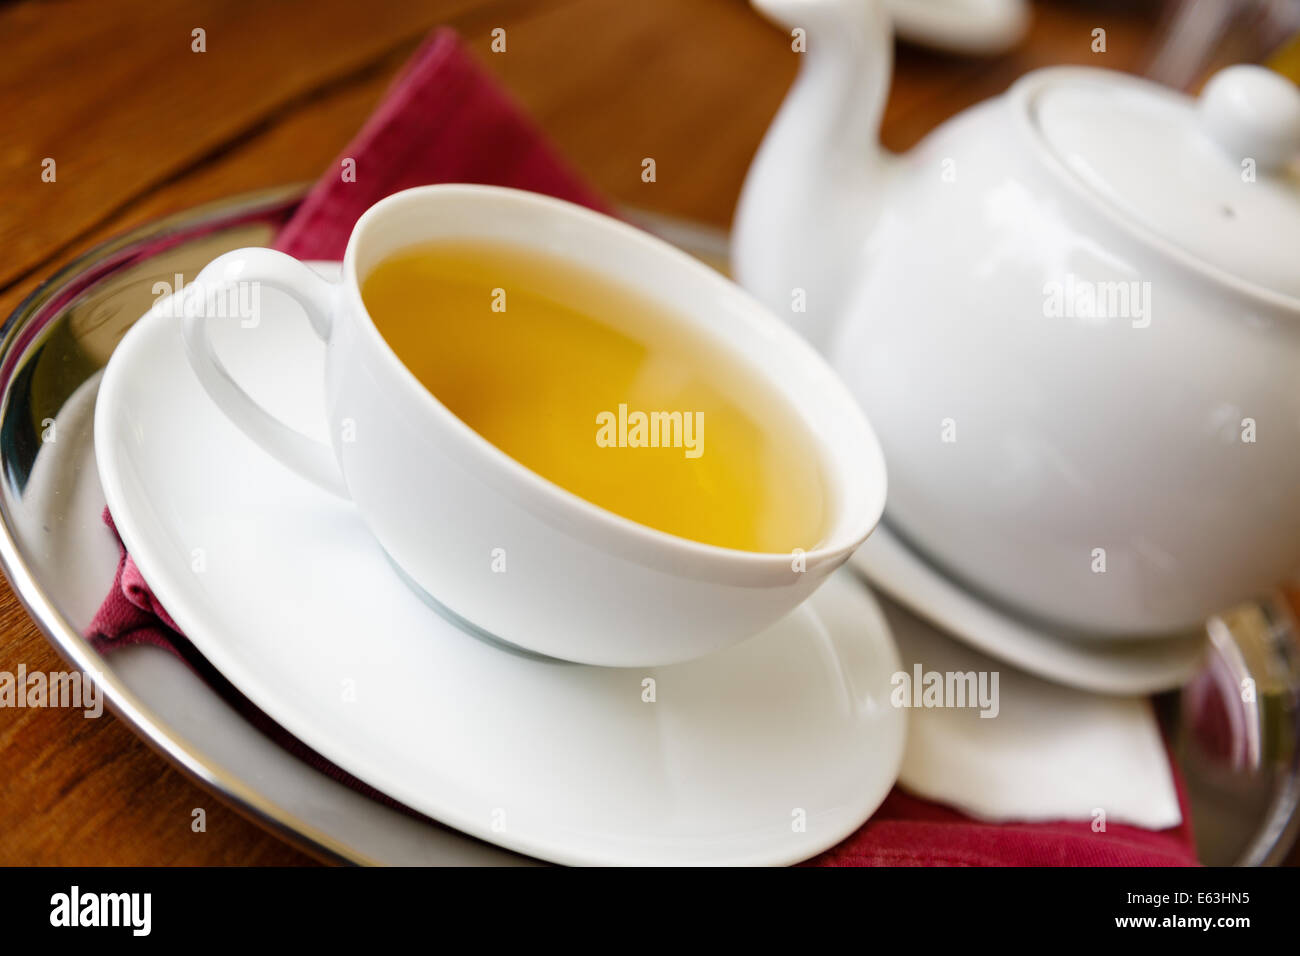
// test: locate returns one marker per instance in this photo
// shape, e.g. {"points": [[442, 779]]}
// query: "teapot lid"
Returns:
{"points": [[1218, 177]]}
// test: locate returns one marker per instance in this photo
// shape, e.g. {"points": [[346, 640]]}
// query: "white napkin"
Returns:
{"points": [[1050, 753]]}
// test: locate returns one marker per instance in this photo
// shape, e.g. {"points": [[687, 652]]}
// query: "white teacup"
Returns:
{"points": [[581, 583]]}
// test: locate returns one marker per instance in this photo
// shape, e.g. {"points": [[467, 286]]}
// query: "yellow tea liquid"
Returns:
{"points": [[603, 392]]}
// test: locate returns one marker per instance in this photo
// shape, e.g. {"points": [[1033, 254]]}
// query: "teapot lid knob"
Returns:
{"points": [[1253, 112]]}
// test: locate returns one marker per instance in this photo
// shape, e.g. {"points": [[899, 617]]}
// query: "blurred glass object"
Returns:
{"points": [[1198, 37]]}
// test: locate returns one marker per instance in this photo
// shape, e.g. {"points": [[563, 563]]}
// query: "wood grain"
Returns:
{"points": [[139, 126]]}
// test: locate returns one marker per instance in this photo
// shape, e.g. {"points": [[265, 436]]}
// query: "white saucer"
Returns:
{"points": [[1141, 666], [765, 753]]}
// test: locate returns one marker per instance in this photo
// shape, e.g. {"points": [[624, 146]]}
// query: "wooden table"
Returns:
{"points": [[139, 125]]}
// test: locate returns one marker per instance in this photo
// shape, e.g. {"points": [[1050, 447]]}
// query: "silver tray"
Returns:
{"points": [[61, 561]]}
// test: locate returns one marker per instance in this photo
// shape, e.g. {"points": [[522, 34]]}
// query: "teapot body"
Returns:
{"points": [[1078, 422]]}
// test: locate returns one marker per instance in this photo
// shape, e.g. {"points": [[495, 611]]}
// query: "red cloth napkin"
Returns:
{"points": [[909, 831], [446, 120]]}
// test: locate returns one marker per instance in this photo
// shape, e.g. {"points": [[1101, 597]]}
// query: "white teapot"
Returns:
{"points": [[1072, 314]]}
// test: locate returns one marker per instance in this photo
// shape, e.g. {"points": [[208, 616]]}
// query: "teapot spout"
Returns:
{"points": [[812, 193]]}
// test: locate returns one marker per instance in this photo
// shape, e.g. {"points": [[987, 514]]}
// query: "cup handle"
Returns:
{"points": [[312, 459]]}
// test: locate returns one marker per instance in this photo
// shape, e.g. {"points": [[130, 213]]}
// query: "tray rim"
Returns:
{"points": [[61, 635]]}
